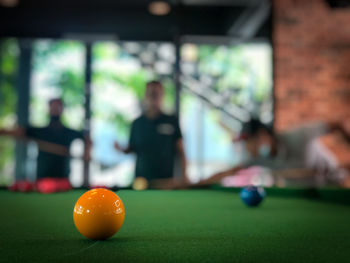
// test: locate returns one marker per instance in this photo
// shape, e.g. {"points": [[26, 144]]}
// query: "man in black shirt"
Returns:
{"points": [[156, 138], [53, 142]]}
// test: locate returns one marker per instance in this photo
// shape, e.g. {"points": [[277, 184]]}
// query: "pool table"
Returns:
{"points": [[202, 225]]}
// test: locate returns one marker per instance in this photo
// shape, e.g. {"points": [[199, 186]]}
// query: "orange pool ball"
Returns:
{"points": [[98, 214]]}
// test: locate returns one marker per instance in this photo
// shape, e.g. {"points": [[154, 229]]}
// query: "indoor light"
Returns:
{"points": [[159, 8], [9, 3]]}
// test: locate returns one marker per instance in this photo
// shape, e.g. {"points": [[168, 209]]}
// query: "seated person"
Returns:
{"points": [[53, 142], [290, 155]]}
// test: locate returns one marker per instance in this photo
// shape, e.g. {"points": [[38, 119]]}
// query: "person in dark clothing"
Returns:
{"points": [[296, 156], [156, 139], [53, 142]]}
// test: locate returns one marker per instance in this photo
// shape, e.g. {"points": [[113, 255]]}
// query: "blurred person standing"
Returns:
{"points": [[54, 141], [156, 139]]}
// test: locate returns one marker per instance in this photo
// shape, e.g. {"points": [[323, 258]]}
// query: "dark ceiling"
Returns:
{"points": [[130, 19], [339, 3]]}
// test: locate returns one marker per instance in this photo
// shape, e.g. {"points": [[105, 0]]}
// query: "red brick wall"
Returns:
{"points": [[311, 62]]}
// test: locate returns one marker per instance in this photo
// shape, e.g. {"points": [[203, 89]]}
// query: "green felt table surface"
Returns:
{"points": [[177, 226]]}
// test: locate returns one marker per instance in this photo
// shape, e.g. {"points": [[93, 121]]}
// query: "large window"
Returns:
{"points": [[9, 53], [58, 71], [222, 86], [120, 72]]}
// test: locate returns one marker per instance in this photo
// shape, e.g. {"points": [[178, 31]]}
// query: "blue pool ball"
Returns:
{"points": [[252, 195]]}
